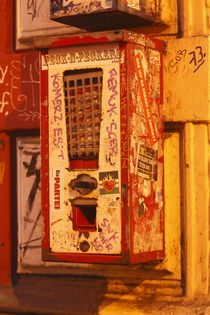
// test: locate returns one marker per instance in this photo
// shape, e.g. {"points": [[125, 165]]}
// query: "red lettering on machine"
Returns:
{"points": [[57, 190]]}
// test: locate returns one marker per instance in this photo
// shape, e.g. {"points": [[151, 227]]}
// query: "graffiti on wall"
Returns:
{"points": [[112, 128], [107, 238], [194, 58], [58, 137], [34, 7], [19, 89], [78, 6], [146, 152], [29, 201]]}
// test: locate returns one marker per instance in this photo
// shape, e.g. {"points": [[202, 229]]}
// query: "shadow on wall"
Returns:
{"points": [[81, 295]]}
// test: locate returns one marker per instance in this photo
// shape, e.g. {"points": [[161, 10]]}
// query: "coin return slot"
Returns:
{"points": [[84, 218]]}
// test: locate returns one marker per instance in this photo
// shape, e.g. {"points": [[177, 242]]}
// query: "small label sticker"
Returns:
{"points": [[154, 57], [109, 183], [56, 189], [146, 163]]}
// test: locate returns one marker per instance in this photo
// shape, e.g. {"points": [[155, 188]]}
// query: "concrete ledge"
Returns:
{"points": [[62, 295]]}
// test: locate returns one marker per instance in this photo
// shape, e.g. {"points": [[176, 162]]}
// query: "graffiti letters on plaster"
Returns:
{"points": [[195, 58], [174, 63], [11, 99], [3, 73], [33, 8], [32, 170], [75, 6], [112, 128], [32, 215], [57, 114]]}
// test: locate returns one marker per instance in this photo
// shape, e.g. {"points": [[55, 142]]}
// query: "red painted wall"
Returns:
{"points": [[6, 29], [6, 47], [19, 110], [5, 206]]}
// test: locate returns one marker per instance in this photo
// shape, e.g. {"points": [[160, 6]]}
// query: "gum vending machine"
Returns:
{"points": [[105, 14], [102, 149]]}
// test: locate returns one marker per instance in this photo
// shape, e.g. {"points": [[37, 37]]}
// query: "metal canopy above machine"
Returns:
{"points": [[105, 14]]}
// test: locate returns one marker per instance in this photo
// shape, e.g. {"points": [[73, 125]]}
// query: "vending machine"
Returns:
{"points": [[105, 14], [102, 149]]}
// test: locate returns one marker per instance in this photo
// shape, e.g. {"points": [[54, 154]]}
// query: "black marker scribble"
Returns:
{"points": [[33, 8], [32, 170], [31, 234]]}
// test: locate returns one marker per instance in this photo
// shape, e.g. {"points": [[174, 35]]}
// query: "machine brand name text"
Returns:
{"points": [[57, 190], [81, 56]]}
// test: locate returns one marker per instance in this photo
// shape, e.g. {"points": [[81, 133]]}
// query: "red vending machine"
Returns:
{"points": [[102, 149]]}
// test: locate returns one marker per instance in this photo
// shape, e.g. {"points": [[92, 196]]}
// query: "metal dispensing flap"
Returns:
{"points": [[83, 92]]}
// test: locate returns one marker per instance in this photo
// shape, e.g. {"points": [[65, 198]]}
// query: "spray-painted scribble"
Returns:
{"points": [[3, 73], [108, 237], [32, 170], [75, 6], [112, 110], [195, 58], [58, 116], [19, 87], [29, 199], [33, 8], [198, 58]]}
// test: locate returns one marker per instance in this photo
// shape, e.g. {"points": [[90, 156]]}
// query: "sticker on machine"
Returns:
{"points": [[133, 4], [146, 165], [56, 189], [109, 182]]}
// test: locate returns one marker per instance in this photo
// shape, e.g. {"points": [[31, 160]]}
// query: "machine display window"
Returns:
{"points": [[83, 98]]}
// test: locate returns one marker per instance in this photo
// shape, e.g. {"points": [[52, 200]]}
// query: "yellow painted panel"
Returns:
{"points": [[186, 79], [195, 17], [172, 261], [167, 12], [197, 209]]}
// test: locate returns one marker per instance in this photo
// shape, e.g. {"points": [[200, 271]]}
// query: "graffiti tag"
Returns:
{"points": [[198, 58], [33, 8], [11, 96], [112, 85], [32, 169], [107, 238], [58, 116], [75, 6], [195, 58]]}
